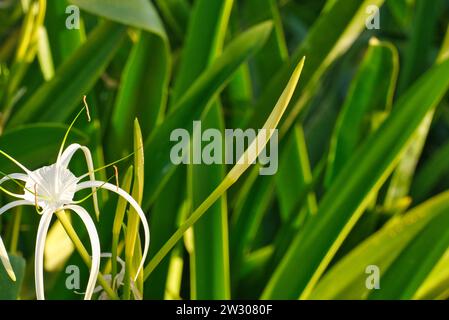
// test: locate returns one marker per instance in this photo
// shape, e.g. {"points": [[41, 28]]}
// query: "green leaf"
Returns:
{"points": [[35, 145], [275, 50], [371, 90], [11, 289], [176, 15], [143, 90], [136, 13], [416, 261], [63, 40], [193, 104], [210, 235], [249, 156], [402, 178], [351, 192], [57, 99], [430, 174], [294, 174], [210, 18], [416, 56], [380, 249], [341, 26]]}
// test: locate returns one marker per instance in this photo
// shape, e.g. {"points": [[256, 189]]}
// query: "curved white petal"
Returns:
{"points": [[3, 253], [13, 204], [95, 244], [132, 202], [5, 260], [65, 159], [14, 176], [42, 230]]}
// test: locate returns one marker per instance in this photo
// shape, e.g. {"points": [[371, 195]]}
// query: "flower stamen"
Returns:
{"points": [[87, 108], [116, 176]]}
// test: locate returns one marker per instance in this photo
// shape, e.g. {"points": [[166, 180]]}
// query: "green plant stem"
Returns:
{"points": [[15, 230], [196, 215], [62, 217]]}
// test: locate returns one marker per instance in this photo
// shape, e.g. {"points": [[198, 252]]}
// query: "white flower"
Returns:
{"points": [[52, 188]]}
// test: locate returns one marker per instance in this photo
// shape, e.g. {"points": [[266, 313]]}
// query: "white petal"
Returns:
{"points": [[14, 176], [65, 158], [3, 253], [42, 230], [132, 202], [13, 204], [5, 260], [95, 243]]}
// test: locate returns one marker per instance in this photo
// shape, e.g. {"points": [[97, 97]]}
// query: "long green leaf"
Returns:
{"points": [[39, 144], [137, 13], [143, 90], [193, 104], [371, 90], [345, 201], [210, 235], [381, 249], [58, 98], [11, 289], [249, 156]]}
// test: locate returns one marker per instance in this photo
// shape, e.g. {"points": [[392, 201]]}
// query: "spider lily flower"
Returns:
{"points": [[52, 189]]}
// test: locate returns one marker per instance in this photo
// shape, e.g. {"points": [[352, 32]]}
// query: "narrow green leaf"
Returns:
{"points": [[136, 13], [408, 272], [210, 235], [11, 289], [294, 174], [143, 90], [402, 178], [39, 144], [341, 25], [380, 249], [58, 98], [193, 104], [347, 198], [63, 41], [235, 173], [371, 90]]}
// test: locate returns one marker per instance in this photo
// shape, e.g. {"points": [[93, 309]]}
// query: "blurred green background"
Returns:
{"points": [[363, 146]]}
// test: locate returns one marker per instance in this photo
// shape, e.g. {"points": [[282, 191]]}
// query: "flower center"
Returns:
{"points": [[51, 187]]}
